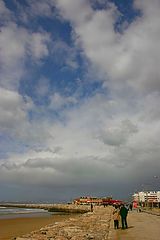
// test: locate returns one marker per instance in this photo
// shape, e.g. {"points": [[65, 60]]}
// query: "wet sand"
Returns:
{"points": [[10, 228]]}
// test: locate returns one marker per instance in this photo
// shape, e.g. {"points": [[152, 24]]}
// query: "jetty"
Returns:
{"points": [[65, 208]]}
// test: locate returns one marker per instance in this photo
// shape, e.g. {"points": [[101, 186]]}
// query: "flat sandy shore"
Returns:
{"points": [[11, 228]]}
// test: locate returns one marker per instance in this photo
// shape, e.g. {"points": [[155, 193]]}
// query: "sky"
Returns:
{"points": [[79, 98]]}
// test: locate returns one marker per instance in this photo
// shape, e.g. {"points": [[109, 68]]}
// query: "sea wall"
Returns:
{"points": [[90, 225], [68, 208]]}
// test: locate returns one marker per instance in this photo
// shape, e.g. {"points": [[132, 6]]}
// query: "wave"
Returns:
{"points": [[5, 210]]}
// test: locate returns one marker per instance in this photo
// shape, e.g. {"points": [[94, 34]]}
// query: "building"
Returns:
{"points": [[147, 198], [97, 201], [88, 200]]}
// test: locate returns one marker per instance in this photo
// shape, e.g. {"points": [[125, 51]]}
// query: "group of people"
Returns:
{"points": [[120, 212]]}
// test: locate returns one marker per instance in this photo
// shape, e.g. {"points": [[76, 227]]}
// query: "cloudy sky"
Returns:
{"points": [[79, 98]]}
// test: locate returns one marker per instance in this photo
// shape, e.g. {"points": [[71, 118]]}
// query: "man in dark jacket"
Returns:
{"points": [[123, 213]]}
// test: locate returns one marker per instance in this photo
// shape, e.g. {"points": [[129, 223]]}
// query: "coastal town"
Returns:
{"points": [[98, 225], [143, 198], [83, 223]]}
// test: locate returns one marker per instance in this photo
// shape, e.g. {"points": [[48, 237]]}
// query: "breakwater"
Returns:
{"points": [[66, 208], [90, 225]]}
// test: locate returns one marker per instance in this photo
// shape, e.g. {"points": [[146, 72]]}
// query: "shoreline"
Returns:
{"points": [[16, 227], [11, 228], [90, 225]]}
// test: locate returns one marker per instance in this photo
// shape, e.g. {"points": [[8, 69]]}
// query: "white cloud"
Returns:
{"points": [[13, 110], [64, 55], [15, 53], [58, 101], [95, 143], [106, 138], [15, 121], [70, 10], [131, 57], [40, 8], [119, 134], [38, 45]]}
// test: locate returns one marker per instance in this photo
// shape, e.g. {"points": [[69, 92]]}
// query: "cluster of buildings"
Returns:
{"points": [[147, 199], [96, 201], [143, 199]]}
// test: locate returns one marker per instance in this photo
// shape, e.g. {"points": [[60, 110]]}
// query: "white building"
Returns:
{"points": [[147, 197]]}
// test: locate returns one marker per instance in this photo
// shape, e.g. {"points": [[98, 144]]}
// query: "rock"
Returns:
{"points": [[88, 226]]}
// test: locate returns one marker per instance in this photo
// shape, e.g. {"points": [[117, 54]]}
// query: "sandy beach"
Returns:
{"points": [[99, 225], [90, 225], [11, 228]]}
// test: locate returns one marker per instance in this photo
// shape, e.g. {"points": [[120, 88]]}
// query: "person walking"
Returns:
{"points": [[116, 217], [91, 207], [123, 213]]}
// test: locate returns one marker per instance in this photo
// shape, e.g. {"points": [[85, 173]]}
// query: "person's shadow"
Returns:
{"points": [[130, 227]]}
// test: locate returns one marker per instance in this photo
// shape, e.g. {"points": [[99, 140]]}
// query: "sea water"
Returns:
{"points": [[14, 212]]}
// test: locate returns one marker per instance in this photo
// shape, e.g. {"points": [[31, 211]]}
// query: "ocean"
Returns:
{"points": [[10, 212]]}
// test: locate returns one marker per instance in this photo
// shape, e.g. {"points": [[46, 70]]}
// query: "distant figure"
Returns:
{"points": [[123, 213], [116, 217], [91, 207], [130, 206], [139, 209]]}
